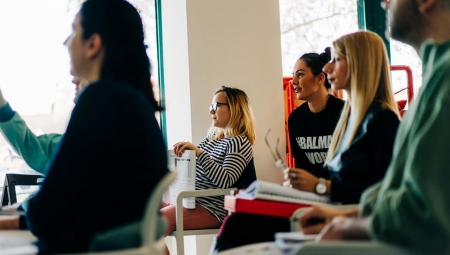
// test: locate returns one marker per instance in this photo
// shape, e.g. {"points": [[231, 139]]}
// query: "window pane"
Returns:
{"points": [[402, 54], [34, 65], [311, 26]]}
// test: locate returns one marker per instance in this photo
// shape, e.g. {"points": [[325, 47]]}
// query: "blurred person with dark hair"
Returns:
{"points": [[112, 154]]}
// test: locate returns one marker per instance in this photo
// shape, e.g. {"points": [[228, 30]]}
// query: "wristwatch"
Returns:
{"points": [[321, 186]]}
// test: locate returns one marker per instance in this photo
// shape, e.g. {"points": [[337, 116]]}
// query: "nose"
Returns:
{"points": [[76, 81], [66, 42], [294, 81], [327, 68]]}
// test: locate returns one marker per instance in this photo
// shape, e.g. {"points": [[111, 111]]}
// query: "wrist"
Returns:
{"points": [[3, 102], [328, 183], [321, 187]]}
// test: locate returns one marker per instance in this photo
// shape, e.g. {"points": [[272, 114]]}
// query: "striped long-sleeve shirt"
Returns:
{"points": [[219, 166]]}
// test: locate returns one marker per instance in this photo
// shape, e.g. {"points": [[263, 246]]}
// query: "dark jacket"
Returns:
{"points": [[109, 160], [365, 161]]}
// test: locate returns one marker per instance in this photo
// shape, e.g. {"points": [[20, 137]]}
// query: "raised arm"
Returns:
{"points": [[35, 150]]}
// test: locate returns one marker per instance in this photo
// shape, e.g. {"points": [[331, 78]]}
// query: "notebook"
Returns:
{"points": [[271, 191], [262, 207]]}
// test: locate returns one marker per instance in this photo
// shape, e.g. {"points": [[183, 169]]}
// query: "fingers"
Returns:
{"points": [[332, 231], [317, 212], [313, 229], [180, 147]]}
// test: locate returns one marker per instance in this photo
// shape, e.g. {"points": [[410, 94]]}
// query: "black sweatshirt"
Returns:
{"points": [[108, 162], [310, 135]]}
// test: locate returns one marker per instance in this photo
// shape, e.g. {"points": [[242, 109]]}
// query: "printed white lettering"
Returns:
{"points": [[310, 157], [301, 142], [318, 157], [308, 143], [323, 142], [324, 156]]}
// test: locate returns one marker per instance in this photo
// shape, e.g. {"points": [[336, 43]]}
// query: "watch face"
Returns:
{"points": [[321, 188]]}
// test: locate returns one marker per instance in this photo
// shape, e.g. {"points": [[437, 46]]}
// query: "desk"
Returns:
{"points": [[14, 242]]}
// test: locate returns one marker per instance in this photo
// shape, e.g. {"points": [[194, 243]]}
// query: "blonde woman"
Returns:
{"points": [[224, 158], [361, 147]]}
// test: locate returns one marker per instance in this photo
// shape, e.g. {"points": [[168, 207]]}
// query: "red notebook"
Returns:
{"points": [[262, 207]]}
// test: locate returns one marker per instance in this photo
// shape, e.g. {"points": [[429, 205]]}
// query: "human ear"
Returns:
{"points": [[321, 78], [94, 46]]}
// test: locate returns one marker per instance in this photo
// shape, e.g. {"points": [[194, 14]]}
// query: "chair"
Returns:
{"points": [[249, 173], [180, 232], [9, 195], [152, 240]]}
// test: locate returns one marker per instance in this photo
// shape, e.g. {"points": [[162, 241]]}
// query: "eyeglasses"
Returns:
{"points": [[214, 106], [279, 162]]}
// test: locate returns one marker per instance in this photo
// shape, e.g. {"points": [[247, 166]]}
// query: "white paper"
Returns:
{"points": [[271, 191], [185, 167]]}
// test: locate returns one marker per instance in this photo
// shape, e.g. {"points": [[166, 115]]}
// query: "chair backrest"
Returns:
{"points": [[151, 216], [247, 177], [9, 195]]}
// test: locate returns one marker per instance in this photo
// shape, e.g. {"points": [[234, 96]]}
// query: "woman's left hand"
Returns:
{"points": [[300, 179], [180, 147]]}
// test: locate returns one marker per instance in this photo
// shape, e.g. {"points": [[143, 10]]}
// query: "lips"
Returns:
{"points": [[297, 89]]}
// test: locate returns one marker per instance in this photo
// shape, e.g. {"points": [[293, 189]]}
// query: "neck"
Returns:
{"points": [[319, 102]]}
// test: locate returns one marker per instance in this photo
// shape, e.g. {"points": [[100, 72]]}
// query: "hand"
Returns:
{"points": [[346, 228], [326, 213], [300, 179], [3, 101], [180, 147]]}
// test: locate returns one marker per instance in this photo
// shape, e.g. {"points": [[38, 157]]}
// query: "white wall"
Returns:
{"points": [[210, 43]]}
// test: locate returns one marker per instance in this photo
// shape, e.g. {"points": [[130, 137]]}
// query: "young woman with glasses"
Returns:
{"points": [[224, 158]]}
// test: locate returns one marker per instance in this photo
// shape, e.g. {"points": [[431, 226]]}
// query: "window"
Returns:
{"points": [[34, 65], [312, 25]]}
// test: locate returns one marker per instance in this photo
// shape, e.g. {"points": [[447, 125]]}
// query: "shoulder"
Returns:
{"points": [[236, 143], [114, 95], [336, 101], [379, 115], [109, 88], [299, 111]]}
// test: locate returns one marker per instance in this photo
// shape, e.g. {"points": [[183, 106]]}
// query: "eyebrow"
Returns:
{"points": [[298, 70]]}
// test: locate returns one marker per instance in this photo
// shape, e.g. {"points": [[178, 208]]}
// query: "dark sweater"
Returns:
{"points": [[109, 160], [365, 161], [310, 134]]}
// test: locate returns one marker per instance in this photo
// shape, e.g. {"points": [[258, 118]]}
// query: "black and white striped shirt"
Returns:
{"points": [[219, 166]]}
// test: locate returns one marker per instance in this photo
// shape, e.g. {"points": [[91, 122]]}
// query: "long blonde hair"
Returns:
{"points": [[369, 76], [242, 120]]}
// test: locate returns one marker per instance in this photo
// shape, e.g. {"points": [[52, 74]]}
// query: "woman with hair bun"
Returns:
{"points": [[311, 125], [361, 147]]}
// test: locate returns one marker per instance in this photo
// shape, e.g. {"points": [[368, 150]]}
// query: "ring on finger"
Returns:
{"points": [[293, 175]]}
